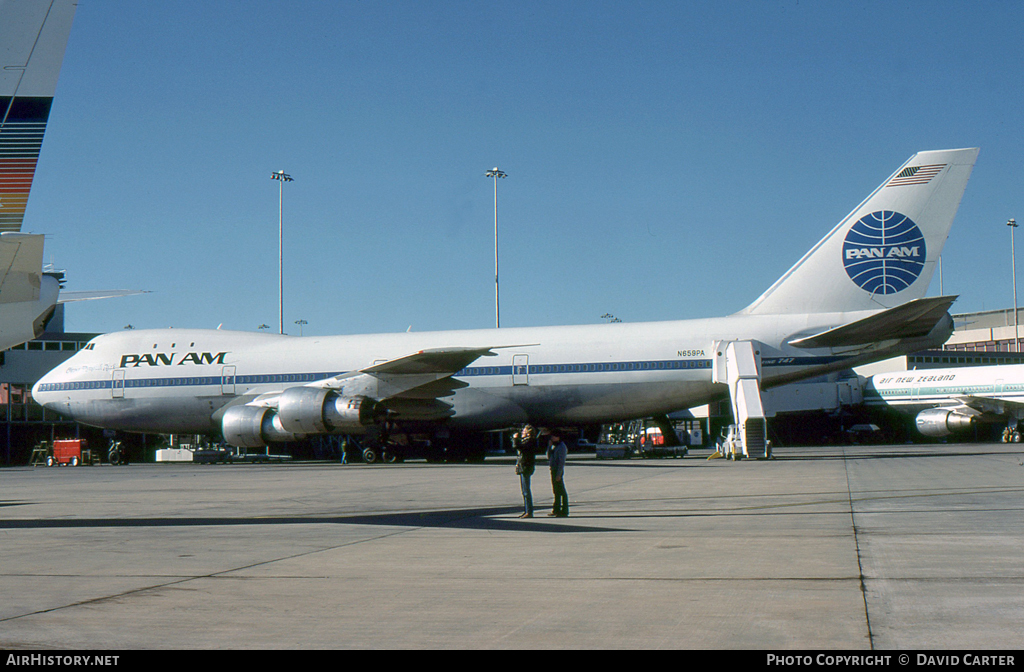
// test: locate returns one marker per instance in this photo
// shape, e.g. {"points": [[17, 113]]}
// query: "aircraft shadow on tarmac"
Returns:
{"points": [[468, 519]]}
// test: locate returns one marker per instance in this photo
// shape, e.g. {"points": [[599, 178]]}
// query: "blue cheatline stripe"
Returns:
{"points": [[598, 367], [187, 381], [471, 371]]}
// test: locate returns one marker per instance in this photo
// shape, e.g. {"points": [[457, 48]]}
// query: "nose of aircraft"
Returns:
{"points": [[47, 391], [41, 390]]}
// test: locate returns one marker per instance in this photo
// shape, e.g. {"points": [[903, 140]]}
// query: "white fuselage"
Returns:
{"points": [[180, 380], [914, 391]]}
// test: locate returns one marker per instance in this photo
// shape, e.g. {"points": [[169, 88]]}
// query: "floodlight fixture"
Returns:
{"points": [[494, 173]]}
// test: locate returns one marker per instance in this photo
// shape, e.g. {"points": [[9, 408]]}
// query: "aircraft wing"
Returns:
{"points": [[412, 386], [68, 297], [912, 319], [438, 360], [993, 406]]}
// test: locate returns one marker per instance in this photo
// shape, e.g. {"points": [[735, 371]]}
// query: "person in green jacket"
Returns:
{"points": [[526, 458]]}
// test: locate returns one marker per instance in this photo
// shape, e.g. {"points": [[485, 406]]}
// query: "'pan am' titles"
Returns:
{"points": [[884, 252], [165, 359]]}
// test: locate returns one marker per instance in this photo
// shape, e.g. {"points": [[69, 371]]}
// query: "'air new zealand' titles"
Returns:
{"points": [[856, 296]]}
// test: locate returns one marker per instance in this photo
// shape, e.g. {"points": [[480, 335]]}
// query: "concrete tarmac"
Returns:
{"points": [[864, 547]]}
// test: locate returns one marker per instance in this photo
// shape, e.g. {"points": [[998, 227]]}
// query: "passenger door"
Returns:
{"points": [[520, 369], [227, 380]]}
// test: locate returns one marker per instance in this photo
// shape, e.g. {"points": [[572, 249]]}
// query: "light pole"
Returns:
{"points": [[1013, 259], [300, 323], [495, 173], [281, 177]]}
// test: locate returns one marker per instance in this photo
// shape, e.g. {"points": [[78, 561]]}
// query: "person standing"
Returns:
{"points": [[526, 459], [557, 452]]}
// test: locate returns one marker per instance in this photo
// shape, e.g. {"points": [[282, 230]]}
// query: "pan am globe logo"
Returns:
{"points": [[884, 252]]}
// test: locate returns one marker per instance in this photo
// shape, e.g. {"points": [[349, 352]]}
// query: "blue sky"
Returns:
{"points": [[665, 160]]}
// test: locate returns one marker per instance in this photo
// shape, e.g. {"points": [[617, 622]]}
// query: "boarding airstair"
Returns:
{"points": [[738, 365]]}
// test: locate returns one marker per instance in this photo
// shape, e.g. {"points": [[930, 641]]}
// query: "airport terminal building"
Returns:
{"points": [[26, 423]]}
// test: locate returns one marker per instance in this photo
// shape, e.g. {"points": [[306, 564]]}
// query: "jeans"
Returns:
{"points": [[561, 506], [524, 482]]}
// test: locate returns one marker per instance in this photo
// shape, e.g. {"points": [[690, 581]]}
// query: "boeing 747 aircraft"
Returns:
{"points": [[945, 401], [856, 296]]}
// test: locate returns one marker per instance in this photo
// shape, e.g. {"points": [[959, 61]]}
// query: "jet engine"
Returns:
{"points": [[942, 422], [300, 411], [253, 427], [312, 410]]}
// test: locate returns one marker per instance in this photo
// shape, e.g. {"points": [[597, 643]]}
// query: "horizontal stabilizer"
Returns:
{"points": [[912, 319]]}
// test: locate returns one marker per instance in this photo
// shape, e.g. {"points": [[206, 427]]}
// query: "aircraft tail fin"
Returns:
{"points": [[33, 36], [884, 253]]}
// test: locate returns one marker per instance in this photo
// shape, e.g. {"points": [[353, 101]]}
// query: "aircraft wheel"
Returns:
{"points": [[74, 461], [1016, 437], [50, 461], [370, 455]]}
